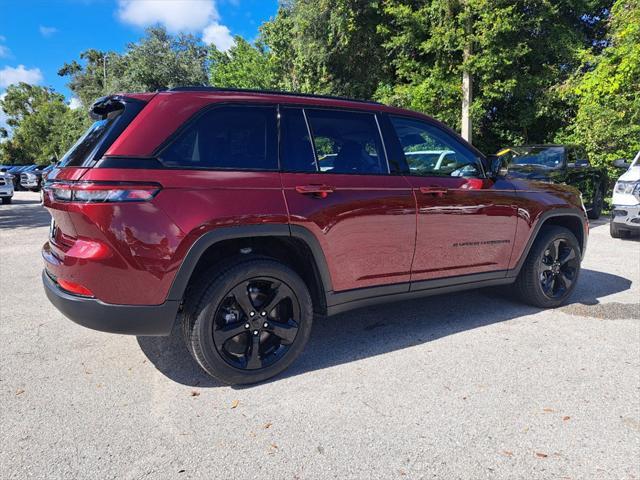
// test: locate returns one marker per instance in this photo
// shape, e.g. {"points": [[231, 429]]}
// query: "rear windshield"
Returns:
{"points": [[541, 157], [101, 134]]}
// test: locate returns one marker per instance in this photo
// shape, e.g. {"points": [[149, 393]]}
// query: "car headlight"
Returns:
{"points": [[627, 188]]}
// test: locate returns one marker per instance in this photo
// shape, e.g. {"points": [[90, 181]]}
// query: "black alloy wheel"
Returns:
{"points": [[247, 320], [551, 269], [559, 268], [256, 323]]}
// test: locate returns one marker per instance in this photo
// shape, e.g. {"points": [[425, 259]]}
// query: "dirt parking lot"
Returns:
{"points": [[467, 385]]}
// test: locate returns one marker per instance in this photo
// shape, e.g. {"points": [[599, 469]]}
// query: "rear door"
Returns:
{"points": [[466, 223], [338, 185]]}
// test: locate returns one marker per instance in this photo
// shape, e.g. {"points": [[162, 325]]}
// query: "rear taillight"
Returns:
{"points": [[102, 192]]}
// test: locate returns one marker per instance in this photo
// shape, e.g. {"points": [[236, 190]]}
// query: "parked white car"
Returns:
{"points": [[6, 187], [625, 217]]}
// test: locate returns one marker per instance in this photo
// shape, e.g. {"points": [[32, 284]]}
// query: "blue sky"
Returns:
{"points": [[37, 36]]}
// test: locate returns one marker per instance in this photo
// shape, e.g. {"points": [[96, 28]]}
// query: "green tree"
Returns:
{"points": [[42, 125], [158, 61], [327, 46], [608, 92], [243, 66], [522, 51]]}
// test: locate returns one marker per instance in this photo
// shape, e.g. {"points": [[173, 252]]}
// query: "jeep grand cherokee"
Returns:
{"points": [[209, 209]]}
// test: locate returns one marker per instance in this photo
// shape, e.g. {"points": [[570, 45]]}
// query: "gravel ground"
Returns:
{"points": [[468, 385]]}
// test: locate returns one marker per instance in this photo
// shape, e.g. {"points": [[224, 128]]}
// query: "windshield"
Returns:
{"points": [[540, 157]]}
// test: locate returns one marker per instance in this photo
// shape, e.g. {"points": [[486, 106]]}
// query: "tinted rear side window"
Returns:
{"points": [[347, 142], [231, 137]]}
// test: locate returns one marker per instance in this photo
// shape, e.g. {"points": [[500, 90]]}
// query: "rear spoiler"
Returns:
{"points": [[103, 106]]}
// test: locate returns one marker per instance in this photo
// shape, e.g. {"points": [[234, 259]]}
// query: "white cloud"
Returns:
{"points": [[175, 15], [47, 31], [75, 103], [219, 35], [4, 50], [11, 75]]}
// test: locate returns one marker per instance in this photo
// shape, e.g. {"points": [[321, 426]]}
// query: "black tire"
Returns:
{"points": [[212, 311], [543, 269], [6, 200], [615, 231], [598, 201]]}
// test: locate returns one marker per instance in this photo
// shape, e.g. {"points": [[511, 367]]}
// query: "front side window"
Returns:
{"points": [[346, 142], [431, 151], [230, 137]]}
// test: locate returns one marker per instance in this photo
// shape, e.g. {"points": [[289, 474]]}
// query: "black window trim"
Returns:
{"points": [[384, 148], [203, 111], [313, 144], [449, 131]]}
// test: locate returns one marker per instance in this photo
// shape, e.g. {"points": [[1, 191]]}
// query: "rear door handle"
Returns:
{"points": [[320, 191], [439, 191]]}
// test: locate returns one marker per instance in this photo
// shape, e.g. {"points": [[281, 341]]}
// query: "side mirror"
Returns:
{"points": [[498, 166], [621, 163]]}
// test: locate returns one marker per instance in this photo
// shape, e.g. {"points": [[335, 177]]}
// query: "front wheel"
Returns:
{"points": [[6, 200], [615, 231], [248, 322], [550, 272]]}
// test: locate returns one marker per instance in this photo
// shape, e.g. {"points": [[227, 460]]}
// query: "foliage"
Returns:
{"points": [[543, 70], [243, 66], [608, 93], [43, 126], [158, 61], [327, 46], [521, 50]]}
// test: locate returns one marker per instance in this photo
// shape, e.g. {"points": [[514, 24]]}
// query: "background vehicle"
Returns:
{"points": [[223, 218], [430, 160], [566, 164], [16, 171], [625, 215], [6, 187], [32, 179]]}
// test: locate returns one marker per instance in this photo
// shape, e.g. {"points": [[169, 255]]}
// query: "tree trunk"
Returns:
{"points": [[467, 85]]}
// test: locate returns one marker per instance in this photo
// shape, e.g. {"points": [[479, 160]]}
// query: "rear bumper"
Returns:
{"points": [[153, 320]]}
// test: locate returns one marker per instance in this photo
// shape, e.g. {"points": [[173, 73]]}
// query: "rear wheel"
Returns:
{"points": [[248, 322], [550, 272], [596, 206]]}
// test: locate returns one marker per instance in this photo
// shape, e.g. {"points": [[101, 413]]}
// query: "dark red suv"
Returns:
{"points": [[241, 215]]}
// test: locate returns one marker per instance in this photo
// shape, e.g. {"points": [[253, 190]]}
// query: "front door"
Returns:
{"points": [[466, 223], [338, 185]]}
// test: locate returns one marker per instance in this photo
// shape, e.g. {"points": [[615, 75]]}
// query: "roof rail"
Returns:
{"points": [[270, 92]]}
